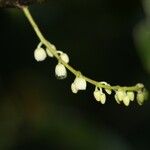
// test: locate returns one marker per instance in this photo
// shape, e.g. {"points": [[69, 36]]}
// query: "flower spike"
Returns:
{"points": [[123, 94]]}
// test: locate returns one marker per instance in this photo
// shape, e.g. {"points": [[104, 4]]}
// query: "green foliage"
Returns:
{"points": [[142, 37]]}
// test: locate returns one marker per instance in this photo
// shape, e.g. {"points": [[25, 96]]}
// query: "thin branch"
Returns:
{"points": [[16, 3]]}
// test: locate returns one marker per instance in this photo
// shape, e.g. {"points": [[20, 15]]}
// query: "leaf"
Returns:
{"points": [[142, 38]]}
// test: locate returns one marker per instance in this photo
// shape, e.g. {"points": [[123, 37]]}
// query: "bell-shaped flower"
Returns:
{"points": [[120, 94], [116, 98], [99, 95], [140, 97], [126, 100], [64, 57], [60, 71], [80, 83], [73, 88], [49, 53], [39, 54], [130, 95]]}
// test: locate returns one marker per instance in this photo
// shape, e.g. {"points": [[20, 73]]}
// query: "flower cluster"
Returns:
{"points": [[122, 94], [45, 48], [41, 53], [127, 96]]}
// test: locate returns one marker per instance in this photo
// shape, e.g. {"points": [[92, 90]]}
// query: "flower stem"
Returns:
{"points": [[70, 68]]}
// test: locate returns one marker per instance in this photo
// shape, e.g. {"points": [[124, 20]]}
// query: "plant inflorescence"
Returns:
{"points": [[122, 94]]}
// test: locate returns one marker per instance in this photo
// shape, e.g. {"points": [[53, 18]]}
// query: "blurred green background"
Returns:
{"points": [[108, 40]]}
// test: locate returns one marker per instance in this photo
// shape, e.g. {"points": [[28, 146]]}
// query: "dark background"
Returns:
{"points": [[37, 111]]}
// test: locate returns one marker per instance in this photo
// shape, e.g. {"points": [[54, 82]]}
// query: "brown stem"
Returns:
{"points": [[16, 3]]}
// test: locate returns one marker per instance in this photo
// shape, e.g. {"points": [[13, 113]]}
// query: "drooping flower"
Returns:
{"points": [[39, 54], [49, 52], [140, 97], [99, 95], [120, 94], [60, 71], [78, 84], [108, 91], [126, 100], [124, 96], [64, 57], [73, 88], [130, 95]]}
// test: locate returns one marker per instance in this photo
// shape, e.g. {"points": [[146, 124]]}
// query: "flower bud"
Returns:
{"points": [[64, 57], [116, 98], [99, 96], [121, 94], [39, 54], [60, 71], [140, 85], [140, 98], [49, 52], [73, 88], [126, 100], [108, 91], [80, 83], [130, 95]]}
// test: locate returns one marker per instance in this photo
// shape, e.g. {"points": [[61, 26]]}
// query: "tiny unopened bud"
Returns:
{"points": [[49, 52], [64, 57], [140, 85], [60, 71], [39, 54]]}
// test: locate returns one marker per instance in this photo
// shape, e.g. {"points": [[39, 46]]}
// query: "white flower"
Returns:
{"points": [[130, 95], [73, 88], [126, 100], [116, 98], [64, 57], [140, 85], [99, 95], [49, 53], [120, 94], [60, 71], [80, 83], [140, 97], [108, 91], [39, 54], [124, 96]]}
